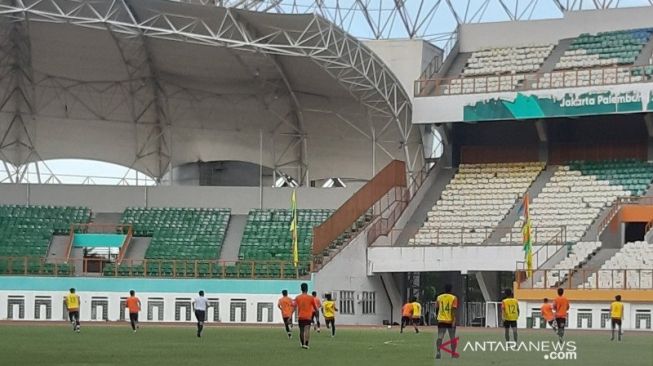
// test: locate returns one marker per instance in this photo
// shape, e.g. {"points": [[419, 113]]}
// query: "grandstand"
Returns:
{"points": [[410, 168], [476, 200], [179, 233]]}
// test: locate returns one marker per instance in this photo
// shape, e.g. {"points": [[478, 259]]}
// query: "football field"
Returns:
{"points": [[100, 344]]}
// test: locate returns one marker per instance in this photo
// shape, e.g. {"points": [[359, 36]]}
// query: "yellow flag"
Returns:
{"points": [[293, 229]]}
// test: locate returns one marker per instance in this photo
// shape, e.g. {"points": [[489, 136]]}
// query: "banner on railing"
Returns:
{"points": [[536, 104]]}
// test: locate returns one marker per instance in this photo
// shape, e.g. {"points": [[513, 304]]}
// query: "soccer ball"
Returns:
{"points": [[389, 326]]}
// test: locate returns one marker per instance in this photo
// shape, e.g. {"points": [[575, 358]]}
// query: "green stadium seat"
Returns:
{"points": [[633, 175], [267, 237], [184, 234], [27, 230]]}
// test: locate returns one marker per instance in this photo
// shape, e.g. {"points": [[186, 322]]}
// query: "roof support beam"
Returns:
{"points": [[17, 97], [148, 105], [355, 67], [300, 139]]}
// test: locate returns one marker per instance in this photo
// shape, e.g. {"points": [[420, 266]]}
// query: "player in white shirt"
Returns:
{"points": [[200, 304]]}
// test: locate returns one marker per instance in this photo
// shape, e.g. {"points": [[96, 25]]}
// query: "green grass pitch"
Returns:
{"points": [[99, 344]]}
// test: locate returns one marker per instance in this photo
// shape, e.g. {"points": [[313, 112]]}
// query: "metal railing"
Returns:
{"points": [[100, 229], [385, 221], [556, 79], [393, 175], [618, 204], [601, 279], [472, 236], [541, 255], [156, 268]]}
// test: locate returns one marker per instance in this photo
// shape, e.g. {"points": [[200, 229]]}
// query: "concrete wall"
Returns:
{"points": [[523, 33], [406, 58], [347, 271], [116, 199], [444, 258]]}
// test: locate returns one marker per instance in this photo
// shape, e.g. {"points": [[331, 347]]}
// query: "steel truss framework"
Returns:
{"points": [[343, 57], [322, 40], [433, 20]]}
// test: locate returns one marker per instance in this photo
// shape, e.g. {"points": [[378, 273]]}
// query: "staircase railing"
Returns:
{"points": [[393, 175], [647, 231], [618, 204], [93, 228], [543, 254], [386, 220], [125, 244]]}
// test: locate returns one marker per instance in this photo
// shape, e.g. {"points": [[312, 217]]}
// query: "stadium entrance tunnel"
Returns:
{"points": [[73, 171]]}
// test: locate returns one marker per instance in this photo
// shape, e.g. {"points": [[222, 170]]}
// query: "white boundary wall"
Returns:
{"points": [[589, 315]]}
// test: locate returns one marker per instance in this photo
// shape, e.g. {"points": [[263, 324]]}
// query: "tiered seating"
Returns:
{"points": [[636, 259], [475, 201], [618, 48], [180, 233], [633, 175], [569, 200], [27, 230], [267, 234], [489, 84], [580, 254], [506, 60], [605, 49], [576, 194], [502, 69]]}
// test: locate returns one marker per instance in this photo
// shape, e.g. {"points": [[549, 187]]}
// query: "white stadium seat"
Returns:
{"points": [[475, 201]]}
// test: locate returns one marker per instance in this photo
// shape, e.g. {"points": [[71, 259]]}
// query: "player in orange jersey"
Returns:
{"points": [[305, 305], [546, 309], [406, 315], [133, 303], [287, 307], [561, 307]]}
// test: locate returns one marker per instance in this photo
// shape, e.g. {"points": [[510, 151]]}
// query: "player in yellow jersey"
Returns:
{"points": [[72, 305], [510, 314], [445, 308], [329, 311], [616, 314]]}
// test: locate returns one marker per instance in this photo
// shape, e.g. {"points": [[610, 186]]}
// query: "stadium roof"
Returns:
{"points": [[152, 84]]}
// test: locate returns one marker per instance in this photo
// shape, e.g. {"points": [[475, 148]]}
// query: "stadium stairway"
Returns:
{"points": [[458, 64], [551, 61], [596, 261], [418, 208], [233, 238], [77, 260], [137, 248], [58, 249], [513, 215], [594, 230], [646, 54]]}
